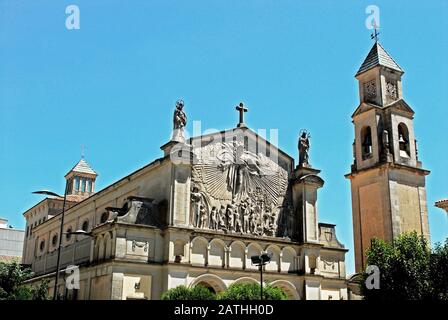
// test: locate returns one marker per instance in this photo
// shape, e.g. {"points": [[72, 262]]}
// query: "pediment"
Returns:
{"points": [[364, 107], [401, 105]]}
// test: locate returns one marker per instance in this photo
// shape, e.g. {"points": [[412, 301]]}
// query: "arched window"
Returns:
{"points": [[104, 217], [403, 140], [42, 246], [85, 225], [68, 234], [366, 142], [54, 240]]}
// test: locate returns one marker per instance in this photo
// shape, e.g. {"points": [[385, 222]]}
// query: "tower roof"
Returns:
{"points": [[378, 57], [82, 167]]}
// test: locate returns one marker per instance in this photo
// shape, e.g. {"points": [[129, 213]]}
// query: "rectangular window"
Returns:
{"points": [[90, 185], [69, 186], [83, 185], [76, 184]]}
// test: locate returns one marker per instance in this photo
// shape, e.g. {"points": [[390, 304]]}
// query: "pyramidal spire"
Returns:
{"points": [[83, 167], [80, 181], [378, 56]]}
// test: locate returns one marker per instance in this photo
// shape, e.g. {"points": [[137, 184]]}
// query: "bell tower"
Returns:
{"points": [[387, 180], [81, 180]]}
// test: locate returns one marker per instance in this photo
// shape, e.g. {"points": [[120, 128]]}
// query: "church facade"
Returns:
{"points": [[200, 212], [194, 216]]}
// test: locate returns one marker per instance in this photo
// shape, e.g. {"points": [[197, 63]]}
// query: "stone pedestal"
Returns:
{"points": [[304, 188], [181, 162]]}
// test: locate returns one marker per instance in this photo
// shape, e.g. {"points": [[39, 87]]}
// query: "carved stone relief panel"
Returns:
{"points": [[391, 91], [235, 190], [138, 247], [370, 91], [329, 265]]}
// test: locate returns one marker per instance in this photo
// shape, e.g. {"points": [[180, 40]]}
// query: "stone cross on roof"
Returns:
{"points": [[241, 109]]}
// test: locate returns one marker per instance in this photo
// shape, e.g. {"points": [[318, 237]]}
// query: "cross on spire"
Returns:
{"points": [[375, 33], [241, 109]]}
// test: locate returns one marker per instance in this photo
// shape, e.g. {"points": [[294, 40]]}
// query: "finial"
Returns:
{"points": [[375, 33], [241, 109]]}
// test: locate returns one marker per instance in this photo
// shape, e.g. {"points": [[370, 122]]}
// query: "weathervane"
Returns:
{"points": [[375, 34]]}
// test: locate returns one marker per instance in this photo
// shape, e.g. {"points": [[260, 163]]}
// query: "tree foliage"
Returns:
{"points": [[183, 293], [242, 291], [408, 269], [438, 269], [12, 276], [251, 291]]}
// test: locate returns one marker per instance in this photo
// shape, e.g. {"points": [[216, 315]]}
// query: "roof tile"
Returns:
{"points": [[378, 57]]}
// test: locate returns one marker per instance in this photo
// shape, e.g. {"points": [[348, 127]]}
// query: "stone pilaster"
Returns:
{"points": [[304, 188]]}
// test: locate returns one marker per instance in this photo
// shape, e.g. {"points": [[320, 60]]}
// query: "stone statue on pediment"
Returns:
{"points": [[304, 147], [179, 122]]}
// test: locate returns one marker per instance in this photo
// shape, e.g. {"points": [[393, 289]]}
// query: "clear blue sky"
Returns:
{"points": [[112, 86]]}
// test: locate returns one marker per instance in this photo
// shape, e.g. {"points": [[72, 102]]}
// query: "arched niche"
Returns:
{"points": [[288, 260], [216, 255], [237, 255], [199, 251], [274, 264], [253, 249]]}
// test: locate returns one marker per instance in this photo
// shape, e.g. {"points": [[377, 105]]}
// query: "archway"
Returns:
{"points": [[211, 282], [288, 288]]}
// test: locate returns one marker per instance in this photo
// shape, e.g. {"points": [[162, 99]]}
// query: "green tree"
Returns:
{"points": [[438, 269], [183, 293], [408, 269], [12, 276], [251, 291]]}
